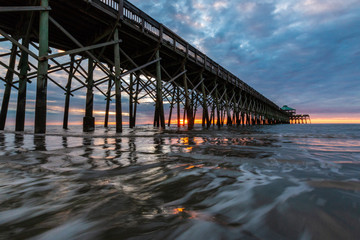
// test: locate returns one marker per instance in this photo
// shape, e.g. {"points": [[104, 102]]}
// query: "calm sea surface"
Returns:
{"points": [[263, 182]]}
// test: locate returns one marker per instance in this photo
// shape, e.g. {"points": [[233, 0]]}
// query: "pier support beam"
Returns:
{"points": [[237, 111], [218, 122], [89, 120], [9, 79], [178, 107], [41, 85], [227, 109], [68, 93], [188, 107], [242, 119], [212, 113], [23, 78], [118, 108], [131, 101], [108, 99], [136, 99], [205, 117], [173, 97], [159, 106]]}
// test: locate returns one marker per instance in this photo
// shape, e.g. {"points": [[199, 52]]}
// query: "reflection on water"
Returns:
{"points": [[269, 182]]}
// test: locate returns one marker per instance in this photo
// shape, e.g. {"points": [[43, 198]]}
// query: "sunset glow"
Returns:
{"points": [[182, 122], [335, 118], [335, 121], [99, 121]]}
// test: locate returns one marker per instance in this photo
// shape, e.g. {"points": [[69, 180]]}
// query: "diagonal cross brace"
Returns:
{"points": [[78, 50], [102, 66], [24, 9], [12, 40]]}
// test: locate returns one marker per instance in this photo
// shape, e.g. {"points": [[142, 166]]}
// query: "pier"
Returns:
{"points": [[296, 118], [136, 56], [300, 119]]}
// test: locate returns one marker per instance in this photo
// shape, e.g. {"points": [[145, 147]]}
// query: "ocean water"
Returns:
{"points": [[261, 182]]}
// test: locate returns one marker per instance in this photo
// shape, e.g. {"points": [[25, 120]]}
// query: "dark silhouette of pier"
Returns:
{"points": [[296, 118], [119, 40]]}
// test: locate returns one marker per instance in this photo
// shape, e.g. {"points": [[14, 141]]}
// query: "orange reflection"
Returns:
{"points": [[178, 210], [185, 140], [196, 166], [198, 140], [346, 162], [192, 214]]}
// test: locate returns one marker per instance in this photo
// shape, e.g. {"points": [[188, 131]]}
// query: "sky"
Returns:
{"points": [[304, 54]]}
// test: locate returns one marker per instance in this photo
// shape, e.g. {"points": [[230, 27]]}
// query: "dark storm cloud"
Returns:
{"points": [[301, 53]]}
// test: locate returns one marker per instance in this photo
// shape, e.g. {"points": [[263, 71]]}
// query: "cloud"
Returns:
{"points": [[294, 52], [317, 7], [220, 5], [302, 53]]}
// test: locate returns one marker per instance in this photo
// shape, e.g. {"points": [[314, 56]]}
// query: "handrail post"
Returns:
{"points": [[161, 33], [121, 9]]}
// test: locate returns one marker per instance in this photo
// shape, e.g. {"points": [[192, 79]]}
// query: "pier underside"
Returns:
{"points": [[136, 56]]}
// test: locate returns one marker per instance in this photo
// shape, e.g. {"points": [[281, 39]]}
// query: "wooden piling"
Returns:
{"points": [[108, 99], [89, 120], [136, 100], [131, 101], [178, 107], [218, 122], [8, 85], [159, 108], [68, 93], [205, 115], [41, 85], [188, 107], [118, 108], [173, 97]]}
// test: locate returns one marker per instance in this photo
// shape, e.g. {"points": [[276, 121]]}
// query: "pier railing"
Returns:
{"points": [[147, 24]]}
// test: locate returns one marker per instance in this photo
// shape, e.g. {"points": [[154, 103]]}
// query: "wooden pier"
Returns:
{"points": [[296, 118], [136, 55], [300, 119]]}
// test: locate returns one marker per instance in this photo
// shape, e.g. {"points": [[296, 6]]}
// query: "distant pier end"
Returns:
{"points": [[296, 118]]}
